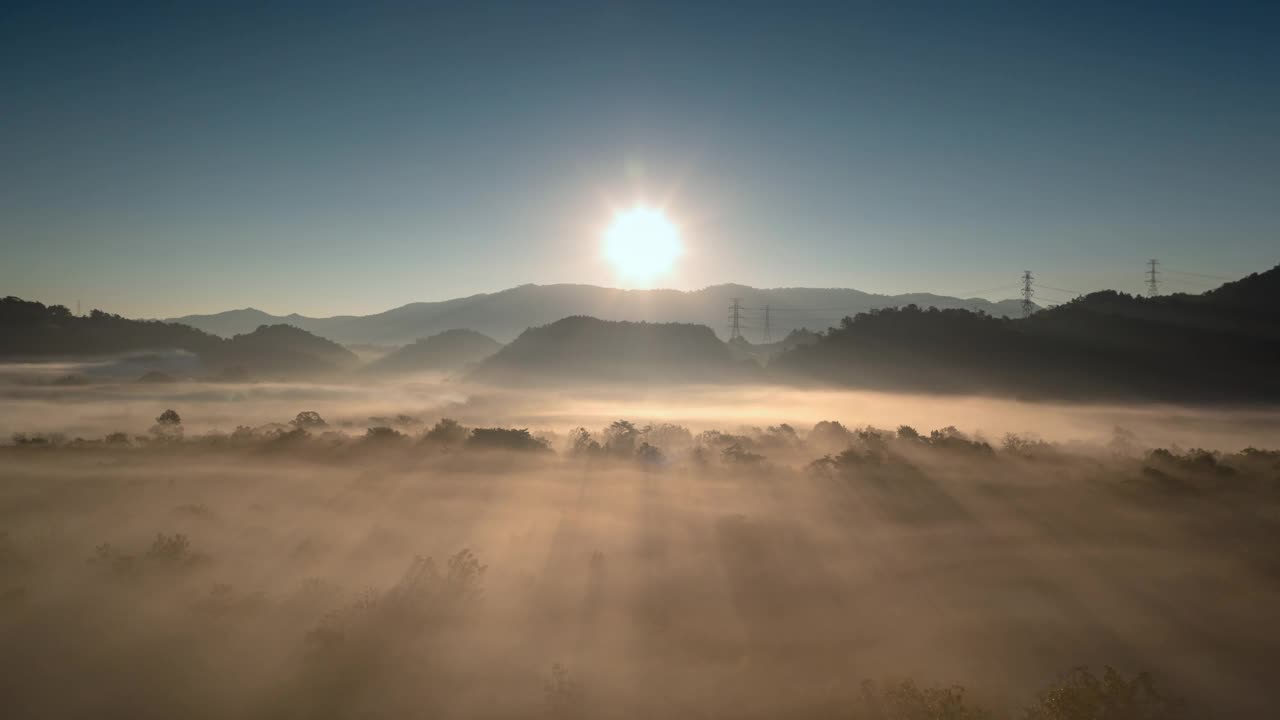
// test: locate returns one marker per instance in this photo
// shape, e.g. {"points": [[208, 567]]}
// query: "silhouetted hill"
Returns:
{"points": [[1257, 291], [591, 350], [32, 330], [764, 353], [237, 322], [282, 351], [505, 314], [1223, 345], [449, 350]]}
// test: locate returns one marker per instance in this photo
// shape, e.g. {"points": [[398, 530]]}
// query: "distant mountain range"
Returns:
{"points": [[504, 315], [1219, 346]]}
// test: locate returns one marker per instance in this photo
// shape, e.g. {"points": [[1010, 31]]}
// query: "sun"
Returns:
{"points": [[642, 244]]}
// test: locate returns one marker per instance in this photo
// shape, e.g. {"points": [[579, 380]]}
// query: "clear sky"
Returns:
{"points": [[348, 158]]}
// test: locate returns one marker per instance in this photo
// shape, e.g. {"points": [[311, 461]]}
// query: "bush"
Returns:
{"points": [[447, 433], [505, 439], [1081, 695], [423, 598], [735, 454], [382, 434], [564, 695], [907, 701]]}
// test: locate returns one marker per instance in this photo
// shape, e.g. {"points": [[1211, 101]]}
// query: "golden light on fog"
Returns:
{"points": [[642, 244]]}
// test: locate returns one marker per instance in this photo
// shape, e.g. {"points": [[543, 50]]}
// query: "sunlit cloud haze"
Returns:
{"points": [[157, 160]]}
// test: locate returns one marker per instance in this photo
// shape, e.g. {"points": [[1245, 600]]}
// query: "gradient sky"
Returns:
{"points": [[324, 159]]}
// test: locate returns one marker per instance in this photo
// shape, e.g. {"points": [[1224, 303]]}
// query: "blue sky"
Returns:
{"points": [[325, 159]]}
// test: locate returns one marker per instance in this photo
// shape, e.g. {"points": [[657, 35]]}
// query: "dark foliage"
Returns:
{"points": [[505, 439], [1220, 346], [34, 330], [449, 350], [587, 349]]}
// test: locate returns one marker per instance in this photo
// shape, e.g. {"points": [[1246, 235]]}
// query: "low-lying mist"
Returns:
{"points": [[68, 400], [433, 549]]}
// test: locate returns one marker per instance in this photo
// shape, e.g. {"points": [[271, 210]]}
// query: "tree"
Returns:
{"points": [[620, 438], [308, 419], [168, 426], [505, 439], [1081, 695], [581, 444], [448, 432]]}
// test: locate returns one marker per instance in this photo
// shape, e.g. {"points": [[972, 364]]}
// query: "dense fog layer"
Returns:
{"points": [[749, 552], [90, 400]]}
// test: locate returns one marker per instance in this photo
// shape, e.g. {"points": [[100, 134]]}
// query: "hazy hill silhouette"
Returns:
{"points": [[32, 330], [449, 350], [282, 351], [1223, 345], [764, 353], [588, 349], [504, 315]]}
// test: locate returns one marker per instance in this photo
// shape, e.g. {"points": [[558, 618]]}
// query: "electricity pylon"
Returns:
{"points": [[735, 320]]}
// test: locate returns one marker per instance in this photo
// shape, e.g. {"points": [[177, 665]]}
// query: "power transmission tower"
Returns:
{"points": [[78, 313], [735, 320], [1028, 292], [768, 338], [1153, 285]]}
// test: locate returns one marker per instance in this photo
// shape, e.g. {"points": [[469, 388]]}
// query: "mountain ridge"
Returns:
{"points": [[505, 314]]}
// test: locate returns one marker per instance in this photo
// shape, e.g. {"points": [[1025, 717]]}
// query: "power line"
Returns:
{"points": [[1069, 292], [972, 293], [809, 309], [1197, 274], [1192, 281]]}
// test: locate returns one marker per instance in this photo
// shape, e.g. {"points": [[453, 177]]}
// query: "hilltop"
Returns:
{"points": [[588, 349], [34, 331], [449, 350], [282, 351], [1219, 346], [504, 315]]}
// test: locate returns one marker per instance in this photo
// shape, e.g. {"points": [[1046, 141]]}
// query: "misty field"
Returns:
{"points": [[311, 552]]}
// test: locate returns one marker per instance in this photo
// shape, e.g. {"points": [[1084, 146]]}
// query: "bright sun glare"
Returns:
{"points": [[642, 244]]}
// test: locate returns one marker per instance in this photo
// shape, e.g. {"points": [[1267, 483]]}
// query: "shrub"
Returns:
{"points": [[505, 439], [448, 432], [423, 598], [563, 694], [735, 454], [382, 434], [647, 454], [907, 701], [117, 439], [170, 549], [1081, 695]]}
